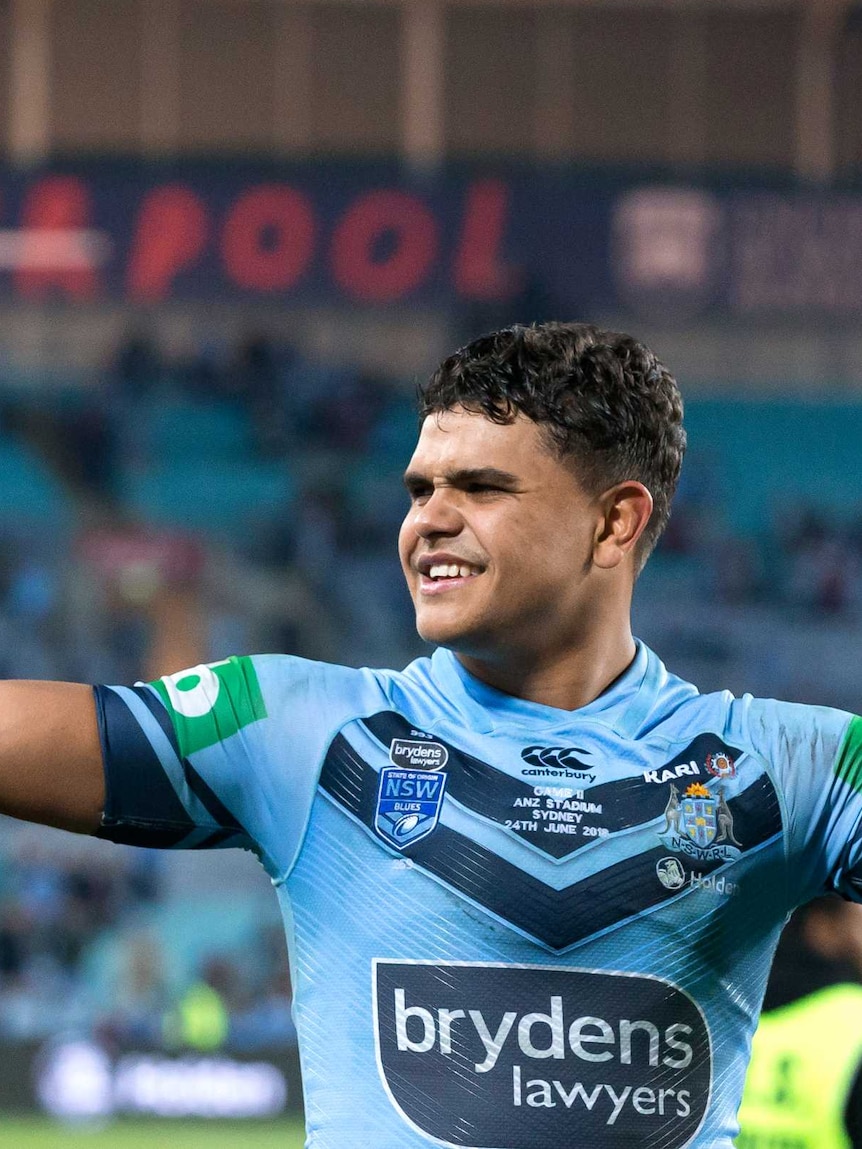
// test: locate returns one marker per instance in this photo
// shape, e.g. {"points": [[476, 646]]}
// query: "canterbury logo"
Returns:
{"points": [[554, 756]]}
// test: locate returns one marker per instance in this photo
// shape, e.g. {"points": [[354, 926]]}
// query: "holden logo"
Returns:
{"points": [[670, 873]]}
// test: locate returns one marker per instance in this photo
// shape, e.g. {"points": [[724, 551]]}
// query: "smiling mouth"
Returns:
{"points": [[446, 576], [441, 571]]}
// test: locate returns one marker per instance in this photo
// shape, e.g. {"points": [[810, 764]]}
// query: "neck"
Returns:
{"points": [[566, 680]]}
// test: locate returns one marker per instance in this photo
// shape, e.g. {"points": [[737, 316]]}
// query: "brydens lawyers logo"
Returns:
{"points": [[410, 793], [418, 753], [524, 1055]]}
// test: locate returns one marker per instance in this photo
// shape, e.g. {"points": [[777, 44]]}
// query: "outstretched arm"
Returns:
{"points": [[50, 754], [51, 764]]}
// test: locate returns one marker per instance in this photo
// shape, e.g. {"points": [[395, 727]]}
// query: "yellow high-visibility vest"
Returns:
{"points": [[200, 1021], [804, 1059]]}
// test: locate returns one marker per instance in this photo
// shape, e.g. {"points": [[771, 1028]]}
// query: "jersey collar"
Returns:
{"points": [[624, 706]]}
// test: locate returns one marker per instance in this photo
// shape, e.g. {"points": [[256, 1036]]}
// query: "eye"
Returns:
{"points": [[420, 492], [482, 489]]}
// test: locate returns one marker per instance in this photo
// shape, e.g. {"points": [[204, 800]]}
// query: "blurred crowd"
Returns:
{"points": [[810, 566], [326, 446], [83, 950], [52, 909]]}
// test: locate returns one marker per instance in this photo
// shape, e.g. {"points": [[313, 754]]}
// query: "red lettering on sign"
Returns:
{"points": [[380, 277], [57, 253], [480, 270], [171, 234], [268, 238]]}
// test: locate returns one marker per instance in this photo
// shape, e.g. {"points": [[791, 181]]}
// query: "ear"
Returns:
{"points": [[625, 512]]}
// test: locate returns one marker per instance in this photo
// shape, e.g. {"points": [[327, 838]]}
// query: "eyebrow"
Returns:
{"points": [[492, 476]]}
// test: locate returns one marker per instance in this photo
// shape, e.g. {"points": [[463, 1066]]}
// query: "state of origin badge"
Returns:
{"points": [[409, 799]]}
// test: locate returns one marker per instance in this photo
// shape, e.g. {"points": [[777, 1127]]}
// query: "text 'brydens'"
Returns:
{"points": [[514, 1051]]}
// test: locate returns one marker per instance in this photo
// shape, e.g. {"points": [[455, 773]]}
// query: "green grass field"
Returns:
{"points": [[38, 1133]]}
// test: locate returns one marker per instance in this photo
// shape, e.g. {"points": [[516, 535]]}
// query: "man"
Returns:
{"points": [[804, 1083], [498, 937]]}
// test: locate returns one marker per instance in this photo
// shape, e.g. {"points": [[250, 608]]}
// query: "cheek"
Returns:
{"points": [[406, 541], [549, 556]]}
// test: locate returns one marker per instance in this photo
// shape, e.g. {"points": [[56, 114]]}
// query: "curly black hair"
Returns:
{"points": [[602, 399]]}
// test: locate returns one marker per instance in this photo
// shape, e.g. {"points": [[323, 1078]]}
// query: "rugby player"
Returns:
{"points": [[531, 884]]}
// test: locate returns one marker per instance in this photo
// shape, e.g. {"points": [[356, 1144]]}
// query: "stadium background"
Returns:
{"points": [[233, 233]]}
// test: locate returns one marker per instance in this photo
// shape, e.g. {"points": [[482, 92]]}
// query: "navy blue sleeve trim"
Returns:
{"points": [[209, 799], [220, 814], [157, 708], [136, 786], [141, 805]]}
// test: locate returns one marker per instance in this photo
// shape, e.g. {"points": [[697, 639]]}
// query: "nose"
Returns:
{"points": [[438, 515]]}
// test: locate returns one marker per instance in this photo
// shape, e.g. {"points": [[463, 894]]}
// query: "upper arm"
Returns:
{"points": [[178, 768], [816, 759], [50, 754], [220, 755]]}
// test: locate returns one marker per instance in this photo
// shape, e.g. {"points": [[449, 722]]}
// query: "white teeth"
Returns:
{"points": [[451, 570]]}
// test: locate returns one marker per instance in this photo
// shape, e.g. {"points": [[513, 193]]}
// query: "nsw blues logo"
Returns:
{"points": [[699, 820], [700, 824], [409, 799]]}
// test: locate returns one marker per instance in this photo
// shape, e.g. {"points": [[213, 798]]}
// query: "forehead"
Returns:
{"points": [[466, 438]]}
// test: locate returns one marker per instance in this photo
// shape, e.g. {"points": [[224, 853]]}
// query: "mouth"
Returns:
{"points": [[440, 574]]}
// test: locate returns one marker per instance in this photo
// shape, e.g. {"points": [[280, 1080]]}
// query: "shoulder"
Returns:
{"points": [[789, 728], [772, 729], [679, 704], [286, 679], [265, 692], [295, 673]]}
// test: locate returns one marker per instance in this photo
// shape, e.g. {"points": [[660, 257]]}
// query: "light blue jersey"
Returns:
{"points": [[510, 926]]}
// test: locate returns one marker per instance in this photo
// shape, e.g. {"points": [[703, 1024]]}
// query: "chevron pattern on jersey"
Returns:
{"points": [[492, 793], [557, 919]]}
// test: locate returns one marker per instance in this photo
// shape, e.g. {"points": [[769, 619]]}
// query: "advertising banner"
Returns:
{"points": [[360, 234], [79, 1079]]}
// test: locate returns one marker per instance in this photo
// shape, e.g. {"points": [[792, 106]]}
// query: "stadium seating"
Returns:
{"points": [[32, 498], [761, 457]]}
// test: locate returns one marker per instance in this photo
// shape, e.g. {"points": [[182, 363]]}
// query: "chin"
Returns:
{"points": [[441, 631], [457, 635], [439, 635]]}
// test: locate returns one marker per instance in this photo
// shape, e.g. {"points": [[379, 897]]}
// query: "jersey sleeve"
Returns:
{"points": [[225, 754], [816, 757]]}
